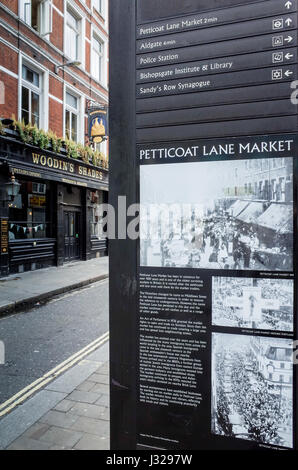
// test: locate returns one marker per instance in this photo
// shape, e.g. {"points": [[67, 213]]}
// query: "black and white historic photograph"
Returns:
{"points": [[218, 215], [253, 303], [252, 388]]}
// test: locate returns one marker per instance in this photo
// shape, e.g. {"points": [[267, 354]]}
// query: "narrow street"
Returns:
{"points": [[41, 338]]}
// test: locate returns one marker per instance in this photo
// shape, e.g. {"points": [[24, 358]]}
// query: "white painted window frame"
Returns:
{"points": [[22, 10], [104, 13], [43, 91], [47, 7], [79, 14], [80, 113], [104, 40], [95, 5]]}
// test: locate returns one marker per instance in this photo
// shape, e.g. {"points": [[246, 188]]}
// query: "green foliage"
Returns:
{"points": [[71, 149], [55, 142], [31, 134]]}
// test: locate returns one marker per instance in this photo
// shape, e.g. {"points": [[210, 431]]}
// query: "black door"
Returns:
{"points": [[71, 235]]}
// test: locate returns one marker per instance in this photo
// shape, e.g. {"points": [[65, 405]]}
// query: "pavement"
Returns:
{"points": [[20, 291], [70, 413], [72, 410]]}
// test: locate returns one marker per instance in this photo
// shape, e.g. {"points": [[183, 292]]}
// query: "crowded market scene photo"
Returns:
{"points": [[252, 387], [235, 214], [253, 303]]}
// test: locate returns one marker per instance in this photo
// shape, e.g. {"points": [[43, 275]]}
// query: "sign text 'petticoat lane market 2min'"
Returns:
{"points": [[69, 167]]}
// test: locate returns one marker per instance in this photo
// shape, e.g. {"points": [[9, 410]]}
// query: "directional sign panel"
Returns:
{"points": [[211, 82], [281, 24], [204, 145], [226, 48], [258, 93], [217, 17], [226, 64]]}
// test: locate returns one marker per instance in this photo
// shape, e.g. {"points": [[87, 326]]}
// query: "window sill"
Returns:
{"points": [[33, 30], [103, 85], [102, 17]]}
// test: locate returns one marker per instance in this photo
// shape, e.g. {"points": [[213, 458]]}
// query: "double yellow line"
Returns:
{"points": [[28, 391]]}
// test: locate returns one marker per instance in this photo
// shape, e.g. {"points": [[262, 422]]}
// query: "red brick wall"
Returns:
{"points": [[8, 59], [10, 105], [56, 88], [56, 117], [57, 34], [88, 30], [59, 4], [87, 57], [11, 4], [46, 55]]}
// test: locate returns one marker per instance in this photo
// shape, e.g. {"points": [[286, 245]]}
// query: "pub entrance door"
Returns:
{"points": [[72, 235]]}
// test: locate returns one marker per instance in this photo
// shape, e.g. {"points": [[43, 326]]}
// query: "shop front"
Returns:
{"points": [[55, 215]]}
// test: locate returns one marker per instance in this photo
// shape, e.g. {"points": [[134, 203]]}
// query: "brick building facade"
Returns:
{"points": [[53, 69]]}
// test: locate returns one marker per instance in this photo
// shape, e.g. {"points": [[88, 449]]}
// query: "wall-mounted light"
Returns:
{"points": [[75, 63], [12, 188]]}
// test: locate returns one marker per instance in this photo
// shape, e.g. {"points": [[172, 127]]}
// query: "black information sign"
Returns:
{"points": [[204, 139], [4, 236]]}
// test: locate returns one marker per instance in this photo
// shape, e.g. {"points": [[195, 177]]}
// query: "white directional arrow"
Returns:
{"points": [[289, 56], [289, 21], [288, 5], [288, 73], [289, 39]]}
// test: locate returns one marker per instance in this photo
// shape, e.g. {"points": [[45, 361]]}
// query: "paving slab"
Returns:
{"points": [[25, 443], [90, 411], [36, 431], [100, 388], [61, 437], [20, 419], [85, 386], [84, 397], [73, 377], [89, 442], [64, 405], [104, 400], [59, 420], [92, 426]]}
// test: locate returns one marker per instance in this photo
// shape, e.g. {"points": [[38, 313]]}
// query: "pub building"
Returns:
{"points": [[50, 207]]}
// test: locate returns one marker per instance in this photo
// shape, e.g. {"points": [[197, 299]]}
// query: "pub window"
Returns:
{"points": [[31, 96], [72, 35], [71, 116], [37, 14], [39, 188], [97, 56], [29, 212]]}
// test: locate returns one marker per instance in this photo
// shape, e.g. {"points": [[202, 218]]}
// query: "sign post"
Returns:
{"points": [[204, 137], [4, 246]]}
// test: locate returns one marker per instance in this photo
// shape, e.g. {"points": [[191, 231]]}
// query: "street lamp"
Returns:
{"points": [[75, 63], [12, 188]]}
